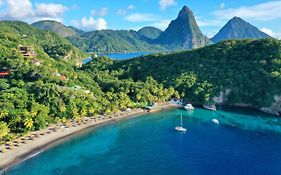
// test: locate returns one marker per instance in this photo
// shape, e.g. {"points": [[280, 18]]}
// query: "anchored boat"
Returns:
{"points": [[180, 128]]}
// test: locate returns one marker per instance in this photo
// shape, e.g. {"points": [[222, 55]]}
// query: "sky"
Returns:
{"points": [[90, 15]]}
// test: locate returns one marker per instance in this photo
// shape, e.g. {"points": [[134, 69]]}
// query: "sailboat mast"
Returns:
{"points": [[181, 119]]}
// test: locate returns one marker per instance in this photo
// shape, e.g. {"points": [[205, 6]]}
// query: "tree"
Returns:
{"points": [[28, 123], [4, 130]]}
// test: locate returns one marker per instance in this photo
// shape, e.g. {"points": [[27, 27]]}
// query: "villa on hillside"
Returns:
{"points": [[27, 51], [63, 77], [36, 62], [4, 72]]}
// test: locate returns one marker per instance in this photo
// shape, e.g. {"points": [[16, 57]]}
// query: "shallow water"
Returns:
{"points": [[246, 142]]}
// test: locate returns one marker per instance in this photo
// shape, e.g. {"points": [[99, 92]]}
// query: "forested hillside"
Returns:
{"points": [[40, 83], [113, 41], [250, 70], [150, 32], [56, 27]]}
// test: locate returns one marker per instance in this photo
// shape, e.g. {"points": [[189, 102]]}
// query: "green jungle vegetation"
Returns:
{"points": [[45, 86], [250, 69]]}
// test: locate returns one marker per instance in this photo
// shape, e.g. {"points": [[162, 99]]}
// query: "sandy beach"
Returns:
{"points": [[36, 142]]}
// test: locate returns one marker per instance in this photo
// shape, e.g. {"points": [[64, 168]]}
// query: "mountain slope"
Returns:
{"points": [[150, 32], [55, 27], [237, 28], [46, 43], [76, 30], [183, 33], [113, 41]]}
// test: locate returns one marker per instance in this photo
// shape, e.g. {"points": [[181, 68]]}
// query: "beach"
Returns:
{"points": [[37, 141]]}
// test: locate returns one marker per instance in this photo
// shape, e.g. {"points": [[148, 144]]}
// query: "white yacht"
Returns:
{"points": [[188, 107], [216, 121], [210, 107], [180, 128]]}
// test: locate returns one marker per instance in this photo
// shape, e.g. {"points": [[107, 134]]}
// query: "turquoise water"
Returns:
{"points": [[120, 56], [124, 56], [246, 142]]}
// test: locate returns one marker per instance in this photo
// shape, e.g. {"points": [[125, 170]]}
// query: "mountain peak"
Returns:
{"points": [[237, 19], [55, 27], [185, 12], [237, 28], [183, 33]]}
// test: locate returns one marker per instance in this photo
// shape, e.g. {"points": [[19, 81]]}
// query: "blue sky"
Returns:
{"points": [[89, 15]]}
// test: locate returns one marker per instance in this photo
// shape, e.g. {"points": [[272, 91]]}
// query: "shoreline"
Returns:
{"points": [[56, 134]]}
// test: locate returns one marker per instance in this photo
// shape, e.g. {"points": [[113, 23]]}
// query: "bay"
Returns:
{"points": [[245, 142]]}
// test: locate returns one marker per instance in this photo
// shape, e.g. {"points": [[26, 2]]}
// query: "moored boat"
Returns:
{"points": [[188, 107], [180, 128], [210, 107], [216, 121]]}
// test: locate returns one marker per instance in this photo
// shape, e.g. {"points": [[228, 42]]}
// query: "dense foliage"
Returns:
{"points": [[48, 87], [250, 70]]}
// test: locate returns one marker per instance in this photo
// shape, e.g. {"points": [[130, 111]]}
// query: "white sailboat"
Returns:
{"points": [[180, 128]]}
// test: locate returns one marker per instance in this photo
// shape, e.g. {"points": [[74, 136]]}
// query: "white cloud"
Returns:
{"points": [[1, 2], [141, 17], [271, 33], [102, 12], [26, 11], [121, 12], [18, 10], [74, 7], [210, 22], [131, 7], [166, 3], [162, 24], [222, 5], [49, 10], [90, 23], [264, 11]]}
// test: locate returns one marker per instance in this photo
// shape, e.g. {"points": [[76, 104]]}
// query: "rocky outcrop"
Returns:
{"points": [[275, 109]]}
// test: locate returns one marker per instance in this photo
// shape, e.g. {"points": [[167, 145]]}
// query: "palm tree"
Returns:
{"points": [[28, 123], [4, 130]]}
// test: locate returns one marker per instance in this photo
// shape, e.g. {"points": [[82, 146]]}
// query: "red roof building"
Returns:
{"points": [[62, 77], [4, 73]]}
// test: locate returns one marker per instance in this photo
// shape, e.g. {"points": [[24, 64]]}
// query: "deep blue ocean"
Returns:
{"points": [[120, 56], [245, 143]]}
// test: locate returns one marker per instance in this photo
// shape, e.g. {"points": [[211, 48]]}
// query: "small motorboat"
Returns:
{"points": [[210, 107], [216, 121], [188, 107], [180, 128]]}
